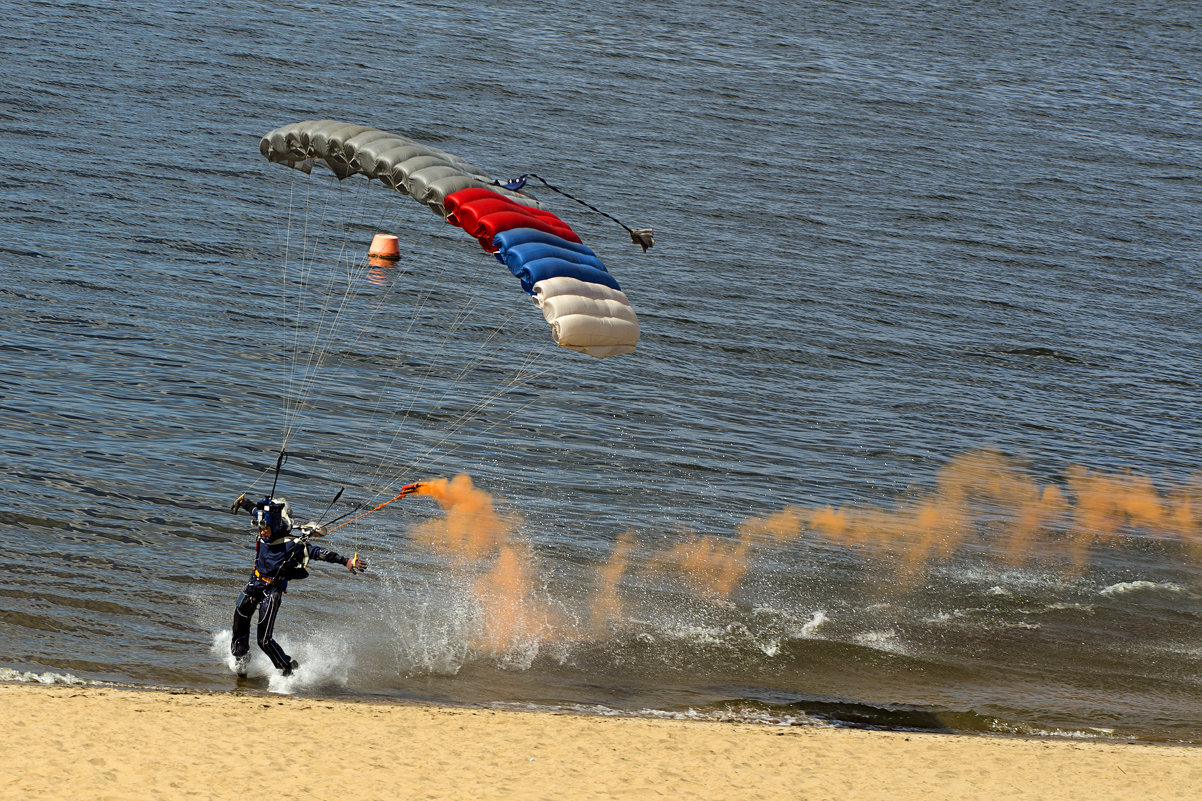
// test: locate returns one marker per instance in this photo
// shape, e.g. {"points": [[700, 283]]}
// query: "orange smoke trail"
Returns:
{"points": [[607, 605], [836, 525], [933, 529], [480, 542], [512, 616], [1108, 503], [982, 498], [783, 526], [1095, 513], [1035, 513], [711, 567], [471, 529], [1185, 517]]}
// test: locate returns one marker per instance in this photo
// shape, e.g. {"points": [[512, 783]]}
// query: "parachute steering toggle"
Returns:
{"points": [[644, 237], [408, 489]]}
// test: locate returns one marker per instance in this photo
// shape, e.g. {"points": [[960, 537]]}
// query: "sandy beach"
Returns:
{"points": [[101, 743]]}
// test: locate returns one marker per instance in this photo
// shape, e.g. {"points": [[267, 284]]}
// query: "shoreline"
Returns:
{"points": [[929, 724], [102, 742]]}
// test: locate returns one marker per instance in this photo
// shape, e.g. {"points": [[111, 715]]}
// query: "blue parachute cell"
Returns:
{"points": [[520, 236], [537, 270], [519, 255]]}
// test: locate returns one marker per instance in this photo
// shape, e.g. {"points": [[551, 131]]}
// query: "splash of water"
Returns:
{"points": [[483, 546], [325, 661]]}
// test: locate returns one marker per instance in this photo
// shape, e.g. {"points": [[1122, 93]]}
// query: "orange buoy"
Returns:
{"points": [[385, 249]]}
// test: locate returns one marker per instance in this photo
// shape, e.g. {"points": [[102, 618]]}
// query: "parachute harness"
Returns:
{"points": [[639, 236]]}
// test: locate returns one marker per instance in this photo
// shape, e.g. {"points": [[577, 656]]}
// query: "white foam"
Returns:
{"points": [[1125, 587], [884, 640], [814, 623], [1061, 606], [325, 661], [697, 634], [1027, 730], [26, 677], [1023, 624], [732, 715]]}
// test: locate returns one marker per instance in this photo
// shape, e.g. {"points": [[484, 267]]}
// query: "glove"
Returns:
{"points": [[355, 563], [241, 503]]}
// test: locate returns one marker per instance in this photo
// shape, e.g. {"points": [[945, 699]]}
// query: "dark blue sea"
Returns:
{"points": [[911, 438]]}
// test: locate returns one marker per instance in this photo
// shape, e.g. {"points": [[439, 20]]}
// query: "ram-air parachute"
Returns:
{"points": [[584, 304]]}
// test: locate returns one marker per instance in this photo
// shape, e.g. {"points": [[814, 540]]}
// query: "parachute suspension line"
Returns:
{"points": [[296, 378], [293, 319], [304, 268], [422, 297], [643, 237], [457, 425], [319, 345], [462, 314], [328, 323], [518, 378], [284, 292], [325, 328], [444, 453], [479, 358], [409, 489], [288, 378], [460, 317]]}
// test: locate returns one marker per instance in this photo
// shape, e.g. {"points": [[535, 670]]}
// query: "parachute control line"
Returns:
{"points": [[584, 304]]}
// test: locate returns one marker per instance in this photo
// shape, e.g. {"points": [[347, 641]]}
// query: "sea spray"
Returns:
{"points": [[326, 659], [484, 550]]}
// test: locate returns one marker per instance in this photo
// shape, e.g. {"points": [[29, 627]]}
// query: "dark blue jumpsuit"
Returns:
{"points": [[276, 561]]}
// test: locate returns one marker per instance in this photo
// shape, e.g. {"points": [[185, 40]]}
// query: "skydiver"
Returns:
{"points": [[280, 556]]}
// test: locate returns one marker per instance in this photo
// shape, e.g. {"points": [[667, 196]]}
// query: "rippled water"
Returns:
{"points": [[896, 246]]}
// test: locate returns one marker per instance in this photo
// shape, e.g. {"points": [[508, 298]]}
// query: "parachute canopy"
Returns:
{"points": [[584, 304]]}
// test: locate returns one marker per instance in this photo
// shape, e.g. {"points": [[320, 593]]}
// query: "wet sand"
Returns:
{"points": [[102, 743]]}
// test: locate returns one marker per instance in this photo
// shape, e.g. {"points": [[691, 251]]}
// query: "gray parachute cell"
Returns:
{"points": [[348, 149]]}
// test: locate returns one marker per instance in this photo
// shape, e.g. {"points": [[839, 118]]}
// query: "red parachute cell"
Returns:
{"points": [[492, 224], [468, 215], [454, 200]]}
